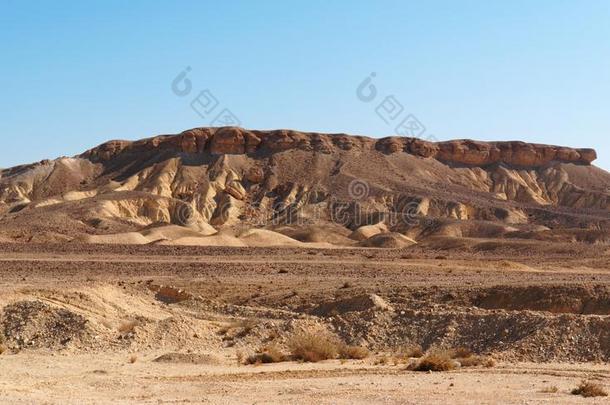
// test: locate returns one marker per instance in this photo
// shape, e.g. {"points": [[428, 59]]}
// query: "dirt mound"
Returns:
{"points": [[35, 324], [390, 240], [523, 336], [355, 304], [368, 231], [170, 295], [555, 299]]}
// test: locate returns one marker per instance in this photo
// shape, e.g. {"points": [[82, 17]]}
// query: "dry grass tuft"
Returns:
{"points": [[461, 353], [348, 352], [589, 389], [273, 335], [133, 358], [266, 355], [438, 360], [310, 347], [3, 349], [382, 361], [403, 355], [241, 357], [550, 390], [475, 361]]}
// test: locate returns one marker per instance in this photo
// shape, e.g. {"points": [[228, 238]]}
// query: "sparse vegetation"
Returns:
{"points": [[400, 355], [307, 347], [589, 389], [449, 359], [382, 360], [461, 353], [241, 357], [273, 334], [475, 361], [311, 347], [133, 358], [438, 360], [550, 390], [348, 352], [265, 355]]}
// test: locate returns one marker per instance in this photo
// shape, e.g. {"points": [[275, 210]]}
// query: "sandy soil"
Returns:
{"points": [[111, 379], [543, 317]]}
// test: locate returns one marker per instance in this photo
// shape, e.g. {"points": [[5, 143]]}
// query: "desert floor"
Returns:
{"points": [[111, 379], [102, 361]]}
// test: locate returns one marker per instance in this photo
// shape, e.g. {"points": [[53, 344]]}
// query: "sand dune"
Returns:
{"points": [[262, 237], [128, 238], [214, 240], [173, 232]]}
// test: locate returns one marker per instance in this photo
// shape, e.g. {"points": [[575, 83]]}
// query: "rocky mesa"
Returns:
{"points": [[235, 141], [238, 187]]}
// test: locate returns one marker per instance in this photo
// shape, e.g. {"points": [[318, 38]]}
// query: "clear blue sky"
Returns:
{"points": [[74, 74]]}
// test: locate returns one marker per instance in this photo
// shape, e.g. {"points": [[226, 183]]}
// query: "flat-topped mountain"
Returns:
{"points": [[232, 186], [232, 140]]}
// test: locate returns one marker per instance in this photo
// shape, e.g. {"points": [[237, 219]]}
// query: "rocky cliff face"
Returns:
{"points": [[236, 141], [214, 178]]}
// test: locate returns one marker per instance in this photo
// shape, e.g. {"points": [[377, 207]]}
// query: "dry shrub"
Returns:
{"points": [[348, 352], [382, 361], [3, 349], [589, 389], [311, 347], [128, 326], [404, 354], [461, 353], [438, 360], [273, 335], [465, 357], [241, 357], [474, 361], [133, 358], [550, 390], [265, 355]]}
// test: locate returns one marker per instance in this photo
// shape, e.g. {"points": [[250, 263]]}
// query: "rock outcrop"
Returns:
{"points": [[233, 140]]}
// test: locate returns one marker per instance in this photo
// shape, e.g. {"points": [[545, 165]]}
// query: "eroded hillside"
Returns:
{"points": [[230, 186]]}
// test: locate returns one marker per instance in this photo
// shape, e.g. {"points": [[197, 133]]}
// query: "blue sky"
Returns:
{"points": [[74, 74]]}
